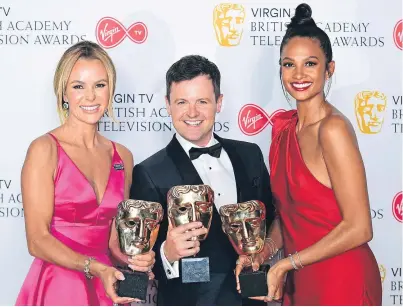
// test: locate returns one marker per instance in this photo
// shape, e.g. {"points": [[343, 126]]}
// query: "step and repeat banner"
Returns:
{"points": [[145, 37]]}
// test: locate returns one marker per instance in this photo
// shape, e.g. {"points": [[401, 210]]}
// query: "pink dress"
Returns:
{"points": [[82, 225]]}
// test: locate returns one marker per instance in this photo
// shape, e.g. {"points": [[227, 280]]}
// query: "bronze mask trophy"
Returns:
{"points": [[245, 225], [137, 224], [192, 203]]}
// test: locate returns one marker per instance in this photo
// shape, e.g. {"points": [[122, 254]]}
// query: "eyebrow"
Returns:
{"points": [[310, 57], [183, 99], [81, 82]]}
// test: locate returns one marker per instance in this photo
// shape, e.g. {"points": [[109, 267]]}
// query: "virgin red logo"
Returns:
{"points": [[110, 32], [397, 206], [398, 34], [252, 119]]}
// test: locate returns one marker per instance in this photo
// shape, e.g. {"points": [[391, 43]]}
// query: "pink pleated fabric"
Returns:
{"points": [[83, 225]]}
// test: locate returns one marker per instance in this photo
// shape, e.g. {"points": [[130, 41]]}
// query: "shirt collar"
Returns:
{"points": [[186, 145]]}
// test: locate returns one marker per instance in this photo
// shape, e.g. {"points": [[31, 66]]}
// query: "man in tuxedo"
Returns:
{"points": [[235, 170]]}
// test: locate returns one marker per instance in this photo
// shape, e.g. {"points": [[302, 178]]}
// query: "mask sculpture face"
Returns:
{"points": [[245, 226], [186, 204], [137, 224], [191, 203]]}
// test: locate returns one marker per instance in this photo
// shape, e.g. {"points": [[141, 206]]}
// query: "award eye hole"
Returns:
{"points": [[235, 227], [151, 224], [203, 208], [254, 222], [182, 209], [131, 223]]}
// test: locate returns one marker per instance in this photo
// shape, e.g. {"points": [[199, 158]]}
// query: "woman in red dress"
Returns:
{"points": [[319, 185]]}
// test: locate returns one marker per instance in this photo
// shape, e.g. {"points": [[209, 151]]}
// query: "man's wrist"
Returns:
{"points": [[167, 255]]}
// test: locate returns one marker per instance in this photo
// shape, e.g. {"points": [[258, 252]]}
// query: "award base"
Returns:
{"points": [[135, 285], [254, 283], [195, 270]]}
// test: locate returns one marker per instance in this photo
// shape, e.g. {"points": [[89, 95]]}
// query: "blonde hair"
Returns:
{"points": [[81, 50]]}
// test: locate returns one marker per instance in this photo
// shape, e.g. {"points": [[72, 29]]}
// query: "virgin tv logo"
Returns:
{"points": [[252, 119], [110, 32], [398, 34], [397, 206]]}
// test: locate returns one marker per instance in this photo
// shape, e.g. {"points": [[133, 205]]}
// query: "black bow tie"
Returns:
{"points": [[214, 151]]}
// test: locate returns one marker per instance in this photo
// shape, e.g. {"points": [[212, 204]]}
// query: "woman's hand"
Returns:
{"points": [[247, 261], [109, 277], [275, 282]]}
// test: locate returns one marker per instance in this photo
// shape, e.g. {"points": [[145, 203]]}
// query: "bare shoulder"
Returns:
{"points": [[41, 156], [336, 128], [125, 154], [42, 148]]}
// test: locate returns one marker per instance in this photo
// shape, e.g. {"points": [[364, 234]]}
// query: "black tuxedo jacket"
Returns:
{"points": [[171, 166]]}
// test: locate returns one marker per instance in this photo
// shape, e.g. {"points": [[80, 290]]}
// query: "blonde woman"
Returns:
{"points": [[72, 181]]}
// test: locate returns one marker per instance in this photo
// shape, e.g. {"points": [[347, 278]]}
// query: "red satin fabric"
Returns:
{"points": [[82, 225], [308, 211]]}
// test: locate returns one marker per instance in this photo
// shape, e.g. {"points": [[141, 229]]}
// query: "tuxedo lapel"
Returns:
{"points": [[241, 175], [182, 162]]}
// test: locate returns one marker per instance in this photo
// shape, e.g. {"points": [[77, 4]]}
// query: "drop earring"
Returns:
{"points": [[65, 106]]}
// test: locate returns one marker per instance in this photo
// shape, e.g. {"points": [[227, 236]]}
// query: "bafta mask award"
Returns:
{"points": [[192, 203], [137, 224], [245, 225]]}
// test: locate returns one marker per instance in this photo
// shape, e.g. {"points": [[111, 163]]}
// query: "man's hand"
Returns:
{"points": [[181, 241]]}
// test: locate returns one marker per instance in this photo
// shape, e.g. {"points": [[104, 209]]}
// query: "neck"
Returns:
{"points": [[82, 134], [311, 111], [201, 143]]}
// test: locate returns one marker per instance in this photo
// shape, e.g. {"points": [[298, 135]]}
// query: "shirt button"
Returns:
{"points": [[210, 167], [219, 194], [169, 272]]}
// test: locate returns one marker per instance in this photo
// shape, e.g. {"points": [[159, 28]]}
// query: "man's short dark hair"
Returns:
{"points": [[190, 67]]}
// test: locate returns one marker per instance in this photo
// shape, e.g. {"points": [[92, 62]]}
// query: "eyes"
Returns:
{"points": [[201, 207], [183, 102], [151, 224], [253, 223], [80, 86], [307, 64]]}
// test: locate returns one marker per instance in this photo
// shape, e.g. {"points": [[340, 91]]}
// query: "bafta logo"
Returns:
{"points": [[382, 271], [228, 22], [370, 109]]}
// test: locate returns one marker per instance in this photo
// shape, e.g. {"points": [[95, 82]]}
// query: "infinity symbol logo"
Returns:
{"points": [[397, 208], [252, 119], [398, 34], [110, 32]]}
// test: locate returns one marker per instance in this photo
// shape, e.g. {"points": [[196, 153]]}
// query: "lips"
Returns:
{"points": [[90, 108], [249, 243], [301, 86], [193, 123]]}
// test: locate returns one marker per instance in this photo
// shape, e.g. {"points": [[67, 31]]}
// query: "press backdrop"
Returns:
{"points": [[145, 37]]}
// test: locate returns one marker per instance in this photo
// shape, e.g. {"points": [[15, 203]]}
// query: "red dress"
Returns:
{"points": [[309, 211]]}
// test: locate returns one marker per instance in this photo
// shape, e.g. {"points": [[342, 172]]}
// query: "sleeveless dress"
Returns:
{"points": [[83, 225], [308, 211]]}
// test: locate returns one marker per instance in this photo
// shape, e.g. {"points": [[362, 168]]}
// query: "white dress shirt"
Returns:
{"points": [[218, 173]]}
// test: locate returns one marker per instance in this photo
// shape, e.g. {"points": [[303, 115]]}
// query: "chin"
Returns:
{"points": [[91, 120]]}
